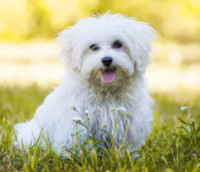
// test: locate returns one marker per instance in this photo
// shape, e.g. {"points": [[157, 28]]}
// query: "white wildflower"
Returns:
{"points": [[184, 108], [121, 109]]}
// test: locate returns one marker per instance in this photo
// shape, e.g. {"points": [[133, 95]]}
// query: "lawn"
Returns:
{"points": [[174, 144]]}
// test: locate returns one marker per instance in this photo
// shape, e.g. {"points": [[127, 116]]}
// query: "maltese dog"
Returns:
{"points": [[105, 58]]}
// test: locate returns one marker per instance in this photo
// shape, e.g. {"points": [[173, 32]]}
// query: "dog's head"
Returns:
{"points": [[107, 48]]}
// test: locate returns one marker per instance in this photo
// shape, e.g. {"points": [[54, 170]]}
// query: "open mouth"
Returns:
{"points": [[108, 75]]}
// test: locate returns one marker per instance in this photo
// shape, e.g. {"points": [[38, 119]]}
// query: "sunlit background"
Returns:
{"points": [[28, 50]]}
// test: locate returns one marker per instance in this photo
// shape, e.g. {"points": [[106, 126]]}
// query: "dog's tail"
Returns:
{"points": [[27, 132]]}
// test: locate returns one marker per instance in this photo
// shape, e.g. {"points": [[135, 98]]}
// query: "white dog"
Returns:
{"points": [[105, 58]]}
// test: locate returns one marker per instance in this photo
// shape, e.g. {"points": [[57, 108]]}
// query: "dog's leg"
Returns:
{"points": [[66, 140]]}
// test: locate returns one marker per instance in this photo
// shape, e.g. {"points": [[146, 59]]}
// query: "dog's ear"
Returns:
{"points": [[65, 40], [141, 35]]}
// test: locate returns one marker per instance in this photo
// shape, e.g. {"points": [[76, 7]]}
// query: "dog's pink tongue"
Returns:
{"points": [[108, 76]]}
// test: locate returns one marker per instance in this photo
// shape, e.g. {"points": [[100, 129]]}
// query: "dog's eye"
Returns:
{"points": [[94, 47], [117, 44]]}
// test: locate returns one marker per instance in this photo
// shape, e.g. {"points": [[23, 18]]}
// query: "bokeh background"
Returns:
{"points": [[28, 50]]}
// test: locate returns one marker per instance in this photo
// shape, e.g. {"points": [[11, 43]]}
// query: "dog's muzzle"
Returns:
{"points": [[108, 72]]}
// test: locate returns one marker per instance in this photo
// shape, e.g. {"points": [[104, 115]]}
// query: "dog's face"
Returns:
{"points": [[108, 48]]}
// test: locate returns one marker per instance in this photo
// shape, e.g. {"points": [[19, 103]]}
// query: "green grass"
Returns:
{"points": [[174, 144]]}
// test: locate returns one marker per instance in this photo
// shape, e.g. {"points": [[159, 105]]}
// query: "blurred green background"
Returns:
{"points": [[28, 28], [30, 19]]}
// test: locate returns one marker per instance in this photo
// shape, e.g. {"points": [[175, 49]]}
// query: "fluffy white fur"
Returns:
{"points": [[83, 87]]}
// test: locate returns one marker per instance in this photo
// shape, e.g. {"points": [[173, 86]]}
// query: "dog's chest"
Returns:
{"points": [[107, 116]]}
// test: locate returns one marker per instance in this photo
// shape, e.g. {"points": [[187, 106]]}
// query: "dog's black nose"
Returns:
{"points": [[107, 61]]}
